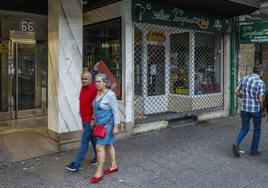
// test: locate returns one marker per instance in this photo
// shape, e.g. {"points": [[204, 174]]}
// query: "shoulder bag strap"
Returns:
{"points": [[110, 119]]}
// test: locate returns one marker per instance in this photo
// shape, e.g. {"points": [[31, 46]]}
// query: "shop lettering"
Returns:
{"points": [[165, 15], [253, 32], [249, 33], [156, 36], [201, 22], [217, 24], [3, 48], [161, 15]]}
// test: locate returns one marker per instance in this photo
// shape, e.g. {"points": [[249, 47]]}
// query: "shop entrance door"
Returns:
{"points": [[155, 100], [21, 78]]}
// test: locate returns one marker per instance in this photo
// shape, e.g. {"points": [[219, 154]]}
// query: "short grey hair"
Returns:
{"points": [[87, 72], [104, 78]]}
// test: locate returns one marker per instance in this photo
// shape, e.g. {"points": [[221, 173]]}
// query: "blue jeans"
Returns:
{"points": [[245, 118], [86, 137]]}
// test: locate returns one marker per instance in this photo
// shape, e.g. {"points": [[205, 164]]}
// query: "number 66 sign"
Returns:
{"points": [[26, 24]]}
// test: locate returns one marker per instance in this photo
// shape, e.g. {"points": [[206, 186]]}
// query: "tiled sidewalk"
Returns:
{"points": [[193, 156]]}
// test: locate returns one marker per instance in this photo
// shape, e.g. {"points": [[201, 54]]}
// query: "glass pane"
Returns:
{"points": [[208, 63], [179, 63], [42, 56], [29, 78], [138, 62], [103, 42], [156, 70], [4, 78]]}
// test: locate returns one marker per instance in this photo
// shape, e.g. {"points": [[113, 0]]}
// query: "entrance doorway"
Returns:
{"points": [[23, 71], [155, 101]]}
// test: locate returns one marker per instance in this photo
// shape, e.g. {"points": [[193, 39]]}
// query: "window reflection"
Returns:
{"points": [[207, 63], [179, 63], [103, 51]]}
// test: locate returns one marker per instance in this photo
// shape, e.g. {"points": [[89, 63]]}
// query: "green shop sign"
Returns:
{"points": [[171, 16], [254, 32]]}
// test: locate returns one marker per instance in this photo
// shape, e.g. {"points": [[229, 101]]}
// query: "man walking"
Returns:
{"points": [[87, 95], [251, 89]]}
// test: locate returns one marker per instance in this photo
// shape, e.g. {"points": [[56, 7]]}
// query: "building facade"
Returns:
{"points": [[165, 61], [178, 59]]}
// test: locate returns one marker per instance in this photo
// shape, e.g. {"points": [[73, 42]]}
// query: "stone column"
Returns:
{"points": [[128, 64], [64, 65], [227, 70]]}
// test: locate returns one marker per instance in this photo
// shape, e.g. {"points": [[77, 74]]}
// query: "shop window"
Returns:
{"points": [[156, 69], [208, 63], [179, 63], [103, 51]]}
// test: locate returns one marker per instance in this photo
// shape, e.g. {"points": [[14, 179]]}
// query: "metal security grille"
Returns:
{"points": [[177, 71]]}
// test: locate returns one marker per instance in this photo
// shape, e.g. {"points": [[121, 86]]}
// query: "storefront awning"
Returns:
{"points": [[41, 6], [221, 8]]}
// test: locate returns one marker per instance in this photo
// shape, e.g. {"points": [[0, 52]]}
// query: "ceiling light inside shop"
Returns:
{"points": [[108, 45], [105, 45]]}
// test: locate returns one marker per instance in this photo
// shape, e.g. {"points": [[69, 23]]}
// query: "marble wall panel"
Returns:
{"points": [[65, 65]]}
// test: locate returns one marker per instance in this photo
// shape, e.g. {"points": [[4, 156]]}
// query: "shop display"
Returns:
{"points": [[178, 76], [207, 68]]}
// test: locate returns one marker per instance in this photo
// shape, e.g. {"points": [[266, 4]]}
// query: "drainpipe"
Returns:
{"points": [[232, 66]]}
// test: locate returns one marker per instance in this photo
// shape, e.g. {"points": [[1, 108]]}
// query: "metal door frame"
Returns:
{"points": [[13, 106], [157, 98], [7, 115], [28, 112]]}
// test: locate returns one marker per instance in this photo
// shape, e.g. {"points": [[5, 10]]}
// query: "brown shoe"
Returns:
{"points": [[236, 150]]}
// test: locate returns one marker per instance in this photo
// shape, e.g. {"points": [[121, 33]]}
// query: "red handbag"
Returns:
{"points": [[99, 131]]}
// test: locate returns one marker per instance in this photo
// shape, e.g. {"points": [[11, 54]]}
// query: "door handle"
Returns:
{"points": [[11, 70]]}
